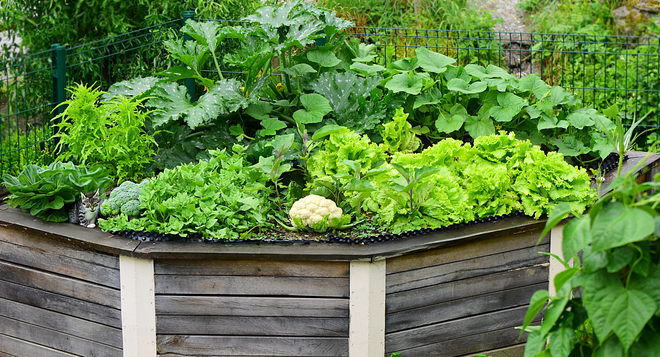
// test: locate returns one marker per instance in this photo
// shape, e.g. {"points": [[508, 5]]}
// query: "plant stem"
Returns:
{"points": [[217, 67]]}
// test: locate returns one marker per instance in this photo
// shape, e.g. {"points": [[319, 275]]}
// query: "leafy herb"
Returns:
{"points": [[47, 192]]}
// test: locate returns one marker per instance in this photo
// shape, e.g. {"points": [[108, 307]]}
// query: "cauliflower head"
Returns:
{"points": [[314, 209]]}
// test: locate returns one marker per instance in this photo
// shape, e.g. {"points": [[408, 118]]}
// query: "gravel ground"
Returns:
{"points": [[512, 34]]}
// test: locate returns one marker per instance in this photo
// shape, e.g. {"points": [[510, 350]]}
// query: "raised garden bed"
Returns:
{"points": [[66, 290]]}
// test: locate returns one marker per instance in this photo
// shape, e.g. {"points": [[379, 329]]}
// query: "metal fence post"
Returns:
{"points": [[189, 82], [58, 75]]}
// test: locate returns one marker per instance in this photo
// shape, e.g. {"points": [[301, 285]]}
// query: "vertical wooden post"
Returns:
{"points": [[367, 311], [138, 306], [556, 240]]}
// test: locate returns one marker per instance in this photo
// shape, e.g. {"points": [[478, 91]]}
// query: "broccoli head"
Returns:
{"points": [[131, 208], [119, 197], [109, 208]]}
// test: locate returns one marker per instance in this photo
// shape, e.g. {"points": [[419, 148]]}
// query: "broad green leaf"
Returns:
{"points": [[595, 285], [564, 276], [582, 117], [649, 284], [327, 130], [611, 112], [432, 61], [628, 313], [367, 70], [562, 342], [552, 315], [447, 123], [316, 107], [460, 85], [534, 84], [135, 87], [570, 146], [431, 97], [619, 258], [536, 303], [601, 145], [206, 33], [648, 345], [561, 211], [479, 126], [592, 261], [488, 72], [298, 70], [452, 121], [611, 348], [323, 58], [509, 106], [410, 83], [535, 343], [259, 110], [424, 172], [405, 64], [546, 122], [577, 235], [271, 126], [282, 142], [618, 225], [359, 186]]}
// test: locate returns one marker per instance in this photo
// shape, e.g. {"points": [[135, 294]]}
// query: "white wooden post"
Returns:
{"points": [[367, 311], [138, 306], [556, 240]]}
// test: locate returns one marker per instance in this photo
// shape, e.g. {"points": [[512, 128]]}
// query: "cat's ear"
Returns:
{"points": [[82, 196], [96, 193]]}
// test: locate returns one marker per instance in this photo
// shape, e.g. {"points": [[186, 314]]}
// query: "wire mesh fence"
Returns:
{"points": [[600, 70]]}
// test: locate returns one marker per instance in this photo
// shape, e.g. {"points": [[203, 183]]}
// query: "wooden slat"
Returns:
{"points": [[251, 306], [249, 285], [252, 326], [468, 344], [55, 339], [59, 284], [460, 308], [485, 284], [463, 269], [60, 303], [454, 330], [178, 345], [54, 246], [498, 243], [63, 323], [36, 258], [510, 351], [20, 348], [252, 268]]}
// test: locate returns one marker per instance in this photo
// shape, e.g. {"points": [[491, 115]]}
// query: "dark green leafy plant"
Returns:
{"points": [[47, 192], [112, 134], [607, 303], [224, 197]]}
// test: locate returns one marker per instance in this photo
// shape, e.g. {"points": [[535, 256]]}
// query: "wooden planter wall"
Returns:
{"points": [[71, 291]]}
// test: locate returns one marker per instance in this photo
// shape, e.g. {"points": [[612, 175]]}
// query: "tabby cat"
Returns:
{"points": [[86, 210]]}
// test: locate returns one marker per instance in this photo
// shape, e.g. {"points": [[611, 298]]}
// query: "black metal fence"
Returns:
{"points": [[601, 70]]}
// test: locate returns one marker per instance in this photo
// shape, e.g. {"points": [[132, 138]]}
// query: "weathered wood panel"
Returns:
{"points": [[252, 326], [60, 284], [251, 306], [58, 247], [464, 269], [62, 323], [453, 290], [55, 339], [468, 344], [417, 341], [510, 351], [252, 268], [251, 285], [60, 303], [20, 348], [178, 345], [499, 243], [39, 259], [455, 309]]}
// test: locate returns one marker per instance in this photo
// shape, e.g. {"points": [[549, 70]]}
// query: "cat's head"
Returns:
{"points": [[90, 200]]}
